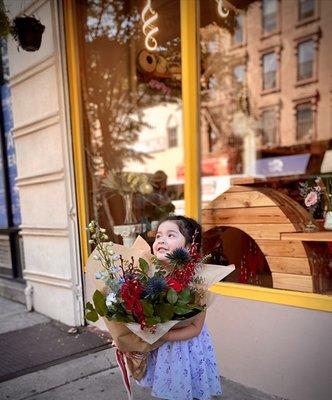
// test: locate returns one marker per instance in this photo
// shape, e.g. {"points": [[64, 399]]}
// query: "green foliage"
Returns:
{"points": [[172, 296], [144, 266], [100, 303]]}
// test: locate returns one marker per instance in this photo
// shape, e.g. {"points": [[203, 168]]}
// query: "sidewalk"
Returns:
{"points": [[83, 376]]}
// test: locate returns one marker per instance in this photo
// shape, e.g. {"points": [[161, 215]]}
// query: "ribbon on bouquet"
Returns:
{"points": [[121, 360]]}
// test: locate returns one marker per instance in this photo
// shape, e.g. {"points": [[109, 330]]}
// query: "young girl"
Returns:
{"points": [[185, 366]]}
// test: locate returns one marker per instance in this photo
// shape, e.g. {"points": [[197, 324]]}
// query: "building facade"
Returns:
{"points": [[264, 87]]}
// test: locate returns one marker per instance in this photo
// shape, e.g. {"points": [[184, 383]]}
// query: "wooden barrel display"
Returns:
{"points": [[264, 214]]}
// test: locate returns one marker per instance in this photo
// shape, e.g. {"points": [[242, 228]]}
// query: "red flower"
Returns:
{"points": [[174, 284]]}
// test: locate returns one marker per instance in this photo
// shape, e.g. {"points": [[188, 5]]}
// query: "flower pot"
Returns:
{"points": [[28, 31], [328, 221]]}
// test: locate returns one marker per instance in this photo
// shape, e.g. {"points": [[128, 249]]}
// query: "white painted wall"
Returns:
{"points": [[280, 350], [45, 172]]}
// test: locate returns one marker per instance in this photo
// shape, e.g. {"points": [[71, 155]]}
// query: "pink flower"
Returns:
{"points": [[311, 199]]}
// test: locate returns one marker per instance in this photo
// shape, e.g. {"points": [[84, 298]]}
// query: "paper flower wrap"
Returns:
{"points": [[129, 337]]}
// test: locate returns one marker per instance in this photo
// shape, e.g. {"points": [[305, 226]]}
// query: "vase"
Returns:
{"points": [[128, 204], [311, 226], [129, 232], [328, 221]]}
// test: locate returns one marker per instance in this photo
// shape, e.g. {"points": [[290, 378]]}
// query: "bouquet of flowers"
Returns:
{"points": [[312, 195], [140, 292], [136, 299]]}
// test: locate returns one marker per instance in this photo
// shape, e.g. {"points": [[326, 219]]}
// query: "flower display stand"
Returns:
{"points": [[266, 215]]}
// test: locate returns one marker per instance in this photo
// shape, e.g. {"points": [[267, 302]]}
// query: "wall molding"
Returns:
{"points": [[29, 128], [43, 231], [30, 72], [40, 179], [47, 279]]}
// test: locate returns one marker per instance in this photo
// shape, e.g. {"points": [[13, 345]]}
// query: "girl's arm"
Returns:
{"points": [[189, 332]]}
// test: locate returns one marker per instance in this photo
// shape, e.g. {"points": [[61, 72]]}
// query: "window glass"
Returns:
{"points": [[239, 73], [269, 127], [306, 9], [132, 106], [269, 71], [239, 34], [264, 129], [306, 60], [304, 121], [269, 8]]}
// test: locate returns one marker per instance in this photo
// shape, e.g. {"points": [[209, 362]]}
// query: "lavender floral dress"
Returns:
{"points": [[184, 370]]}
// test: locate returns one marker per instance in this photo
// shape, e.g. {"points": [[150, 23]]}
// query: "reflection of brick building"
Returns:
{"points": [[282, 50]]}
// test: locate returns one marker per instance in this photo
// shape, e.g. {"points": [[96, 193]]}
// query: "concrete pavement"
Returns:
{"points": [[90, 377]]}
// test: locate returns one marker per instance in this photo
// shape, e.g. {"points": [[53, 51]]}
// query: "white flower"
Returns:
{"points": [[110, 299], [96, 258], [91, 241], [102, 230], [98, 275]]}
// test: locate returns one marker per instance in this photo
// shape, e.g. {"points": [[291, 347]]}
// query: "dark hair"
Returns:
{"points": [[190, 229]]}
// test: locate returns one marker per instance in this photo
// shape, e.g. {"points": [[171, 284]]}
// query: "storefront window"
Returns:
{"points": [[265, 126], [131, 94]]}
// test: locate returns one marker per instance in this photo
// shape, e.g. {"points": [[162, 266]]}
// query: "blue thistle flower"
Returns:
{"points": [[179, 257], [155, 285]]}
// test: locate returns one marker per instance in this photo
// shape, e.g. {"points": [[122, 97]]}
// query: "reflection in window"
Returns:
{"points": [[269, 20], [238, 37], [172, 134], [239, 73], [212, 137], [269, 71], [305, 60], [306, 9], [304, 121], [269, 127]]}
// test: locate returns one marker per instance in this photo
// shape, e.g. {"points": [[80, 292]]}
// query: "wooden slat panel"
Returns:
{"points": [[240, 189], [282, 248], [289, 265], [308, 236], [257, 231], [302, 283], [240, 200], [257, 215]]}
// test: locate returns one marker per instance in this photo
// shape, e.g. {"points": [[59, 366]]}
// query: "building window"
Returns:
{"points": [[305, 66], [269, 71], [238, 37], [269, 15], [269, 127], [304, 121], [239, 73], [306, 9], [172, 133]]}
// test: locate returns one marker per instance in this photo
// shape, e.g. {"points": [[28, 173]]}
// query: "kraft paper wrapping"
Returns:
{"points": [[129, 336]]}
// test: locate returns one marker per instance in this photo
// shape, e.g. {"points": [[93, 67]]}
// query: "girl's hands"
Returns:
{"points": [[188, 332]]}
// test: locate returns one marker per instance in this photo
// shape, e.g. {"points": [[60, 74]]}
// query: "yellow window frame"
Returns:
{"points": [[190, 106]]}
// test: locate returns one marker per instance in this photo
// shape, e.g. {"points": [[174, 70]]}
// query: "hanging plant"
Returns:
{"points": [[28, 31], [5, 27]]}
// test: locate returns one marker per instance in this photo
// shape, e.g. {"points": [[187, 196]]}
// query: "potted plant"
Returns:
{"points": [[28, 31]]}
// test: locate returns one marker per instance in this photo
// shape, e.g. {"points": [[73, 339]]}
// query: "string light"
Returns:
{"points": [[148, 28], [222, 11]]}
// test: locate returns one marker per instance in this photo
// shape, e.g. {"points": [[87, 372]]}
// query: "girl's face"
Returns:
{"points": [[168, 238]]}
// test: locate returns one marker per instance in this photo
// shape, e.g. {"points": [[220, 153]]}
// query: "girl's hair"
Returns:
{"points": [[190, 229]]}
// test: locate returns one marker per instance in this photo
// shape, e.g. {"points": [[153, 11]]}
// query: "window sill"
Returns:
{"points": [[311, 301], [269, 91], [304, 82], [265, 36], [307, 21]]}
